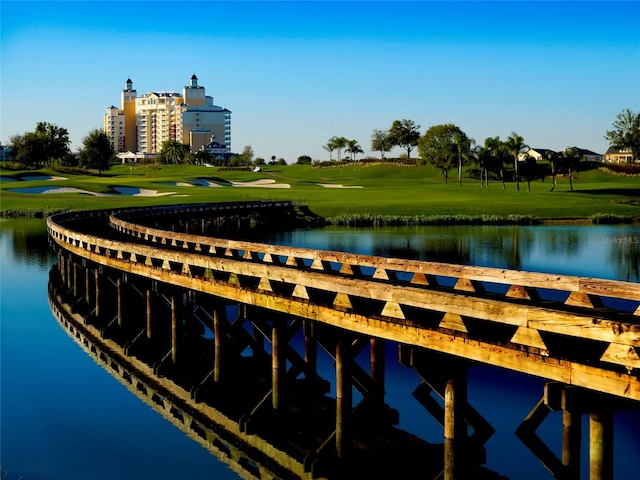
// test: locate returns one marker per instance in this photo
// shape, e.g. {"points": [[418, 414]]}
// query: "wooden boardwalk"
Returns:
{"points": [[562, 328], [134, 273]]}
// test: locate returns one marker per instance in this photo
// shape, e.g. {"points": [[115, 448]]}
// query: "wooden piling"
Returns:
{"points": [[310, 350], [571, 435], [343, 397], [601, 445], [377, 365], [455, 428], [148, 312], [87, 286], [119, 300], [217, 342], [278, 365], [174, 330], [97, 282], [75, 279]]}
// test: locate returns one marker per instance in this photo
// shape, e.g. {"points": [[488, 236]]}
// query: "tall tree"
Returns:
{"points": [[97, 151], [491, 157], [570, 159], [172, 151], [56, 141], [380, 142], [626, 133], [515, 145], [463, 149], [202, 157], [339, 143], [444, 146], [353, 148], [554, 162], [405, 134], [47, 144], [330, 147], [529, 169], [28, 149], [247, 155]]}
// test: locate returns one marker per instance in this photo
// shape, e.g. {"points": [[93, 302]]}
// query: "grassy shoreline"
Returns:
{"points": [[349, 195]]}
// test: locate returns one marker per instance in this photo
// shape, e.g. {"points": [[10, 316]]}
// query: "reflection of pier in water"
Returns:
{"points": [[188, 308]]}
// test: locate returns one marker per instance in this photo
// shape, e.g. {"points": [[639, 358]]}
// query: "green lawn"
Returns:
{"points": [[386, 190]]}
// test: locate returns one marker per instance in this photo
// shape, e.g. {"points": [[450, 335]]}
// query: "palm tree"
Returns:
{"points": [[353, 148], [330, 147], [339, 143], [554, 161], [462, 146], [172, 151], [492, 157], [515, 144], [571, 158]]}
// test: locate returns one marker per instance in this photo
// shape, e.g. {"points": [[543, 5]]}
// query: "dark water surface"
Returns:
{"points": [[65, 417]]}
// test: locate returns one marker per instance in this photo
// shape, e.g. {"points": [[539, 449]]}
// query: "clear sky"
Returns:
{"points": [[296, 73]]}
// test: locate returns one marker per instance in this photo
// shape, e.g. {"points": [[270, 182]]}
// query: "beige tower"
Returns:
{"points": [[193, 95], [128, 100]]}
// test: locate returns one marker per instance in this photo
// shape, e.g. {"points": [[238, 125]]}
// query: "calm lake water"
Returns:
{"points": [[65, 417]]}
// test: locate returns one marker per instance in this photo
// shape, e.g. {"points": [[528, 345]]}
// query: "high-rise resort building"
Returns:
{"points": [[142, 123]]}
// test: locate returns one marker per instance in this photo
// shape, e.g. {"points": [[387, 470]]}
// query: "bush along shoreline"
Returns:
{"points": [[371, 220], [368, 220]]}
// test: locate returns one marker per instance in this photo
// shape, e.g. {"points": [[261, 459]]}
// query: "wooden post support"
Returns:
{"points": [[87, 286], [69, 272], [377, 362], [278, 365], [119, 295], [61, 266], [174, 330], [455, 428], [310, 350], [148, 312], [217, 342], [97, 282], [571, 436], [343, 396], [601, 445], [75, 279]]}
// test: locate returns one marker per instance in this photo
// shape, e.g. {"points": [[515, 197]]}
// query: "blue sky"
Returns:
{"points": [[296, 73]]}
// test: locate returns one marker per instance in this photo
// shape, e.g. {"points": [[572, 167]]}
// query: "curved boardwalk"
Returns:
{"points": [[579, 332]]}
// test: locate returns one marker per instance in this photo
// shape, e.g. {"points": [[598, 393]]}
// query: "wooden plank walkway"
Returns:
{"points": [[494, 316]]}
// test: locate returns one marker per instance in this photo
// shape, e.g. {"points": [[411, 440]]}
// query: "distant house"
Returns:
{"points": [[589, 155], [537, 153], [217, 150], [5, 152], [541, 154], [618, 155]]}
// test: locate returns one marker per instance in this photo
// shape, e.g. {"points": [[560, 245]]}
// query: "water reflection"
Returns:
{"points": [[27, 238], [63, 419], [581, 250]]}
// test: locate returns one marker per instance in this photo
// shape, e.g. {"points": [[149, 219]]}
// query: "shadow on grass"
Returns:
{"points": [[630, 192]]}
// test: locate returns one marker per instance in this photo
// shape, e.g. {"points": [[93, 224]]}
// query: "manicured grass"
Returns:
{"points": [[386, 190]]}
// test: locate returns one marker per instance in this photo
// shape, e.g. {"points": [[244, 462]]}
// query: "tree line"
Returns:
{"points": [[48, 146], [447, 147]]}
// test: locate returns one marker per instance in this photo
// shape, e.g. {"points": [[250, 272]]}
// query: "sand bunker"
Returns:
{"points": [[336, 185], [262, 183], [136, 192], [50, 190]]}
